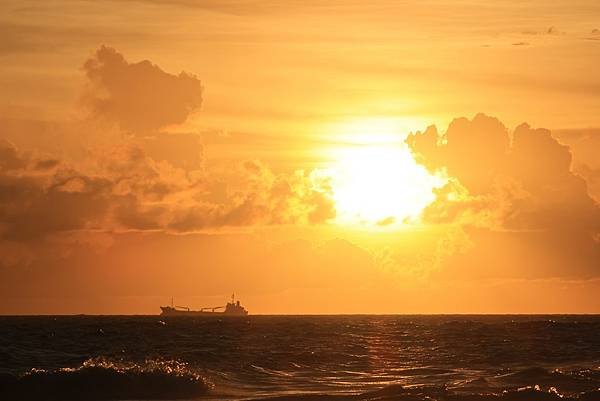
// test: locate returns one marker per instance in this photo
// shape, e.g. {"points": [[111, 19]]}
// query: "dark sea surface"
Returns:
{"points": [[300, 358]]}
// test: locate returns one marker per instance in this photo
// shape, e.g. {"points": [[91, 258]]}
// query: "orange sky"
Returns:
{"points": [[338, 157]]}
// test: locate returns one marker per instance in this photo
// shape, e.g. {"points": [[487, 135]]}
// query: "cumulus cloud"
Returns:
{"points": [[33, 205], [508, 184], [260, 197], [585, 146], [125, 189], [592, 177], [472, 150], [140, 96]]}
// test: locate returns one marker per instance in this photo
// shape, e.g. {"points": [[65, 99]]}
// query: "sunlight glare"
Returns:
{"points": [[380, 184]]}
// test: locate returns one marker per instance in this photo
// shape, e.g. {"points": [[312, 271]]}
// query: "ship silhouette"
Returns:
{"points": [[233, 308]]}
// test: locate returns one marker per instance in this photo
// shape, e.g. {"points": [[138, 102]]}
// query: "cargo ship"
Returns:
{"points": [[233, 308]]}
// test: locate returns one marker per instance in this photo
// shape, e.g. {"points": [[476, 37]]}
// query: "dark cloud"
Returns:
{"points": [[591, 176], [474, 151], [31, 206], [9, 158], [585, 147], [512, 184], [125, 189], [140, 97], [132, 215], [46, 164], [556, 197]]}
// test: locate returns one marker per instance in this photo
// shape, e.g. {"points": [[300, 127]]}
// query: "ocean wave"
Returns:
{"points": [[527, 384], [570, 382], [102, 379], [426, 393]]}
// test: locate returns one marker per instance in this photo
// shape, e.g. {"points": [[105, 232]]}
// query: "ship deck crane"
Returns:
{"points": [[212, 308]]}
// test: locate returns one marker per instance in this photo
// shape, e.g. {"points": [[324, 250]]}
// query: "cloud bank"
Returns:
{"points": [[515, 203], [149, 179], [513, 189], [125, 189]]}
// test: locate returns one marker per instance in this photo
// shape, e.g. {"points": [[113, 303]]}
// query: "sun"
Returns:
{"points": [[380, 183]]}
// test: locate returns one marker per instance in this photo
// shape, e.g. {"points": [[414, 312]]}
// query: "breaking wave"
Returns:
{"points": [[102, 379], [400, 393]]}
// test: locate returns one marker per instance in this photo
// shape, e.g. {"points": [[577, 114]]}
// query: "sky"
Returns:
{"points": [[312, 157]]}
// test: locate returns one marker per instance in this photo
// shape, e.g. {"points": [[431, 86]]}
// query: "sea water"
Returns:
{"points": [[300, 358]]}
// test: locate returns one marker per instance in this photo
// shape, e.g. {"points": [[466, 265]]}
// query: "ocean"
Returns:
{"points": [[300, 358]]}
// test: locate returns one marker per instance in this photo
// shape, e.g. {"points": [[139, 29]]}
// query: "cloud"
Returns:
{"points": [[9, 158], [151, 181], [585, 147], [591, 176], [124, 189], [482, 143], [140, 97], [32, 206], [259, 197], [178, 149], [557, 198], [516, 186]]}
